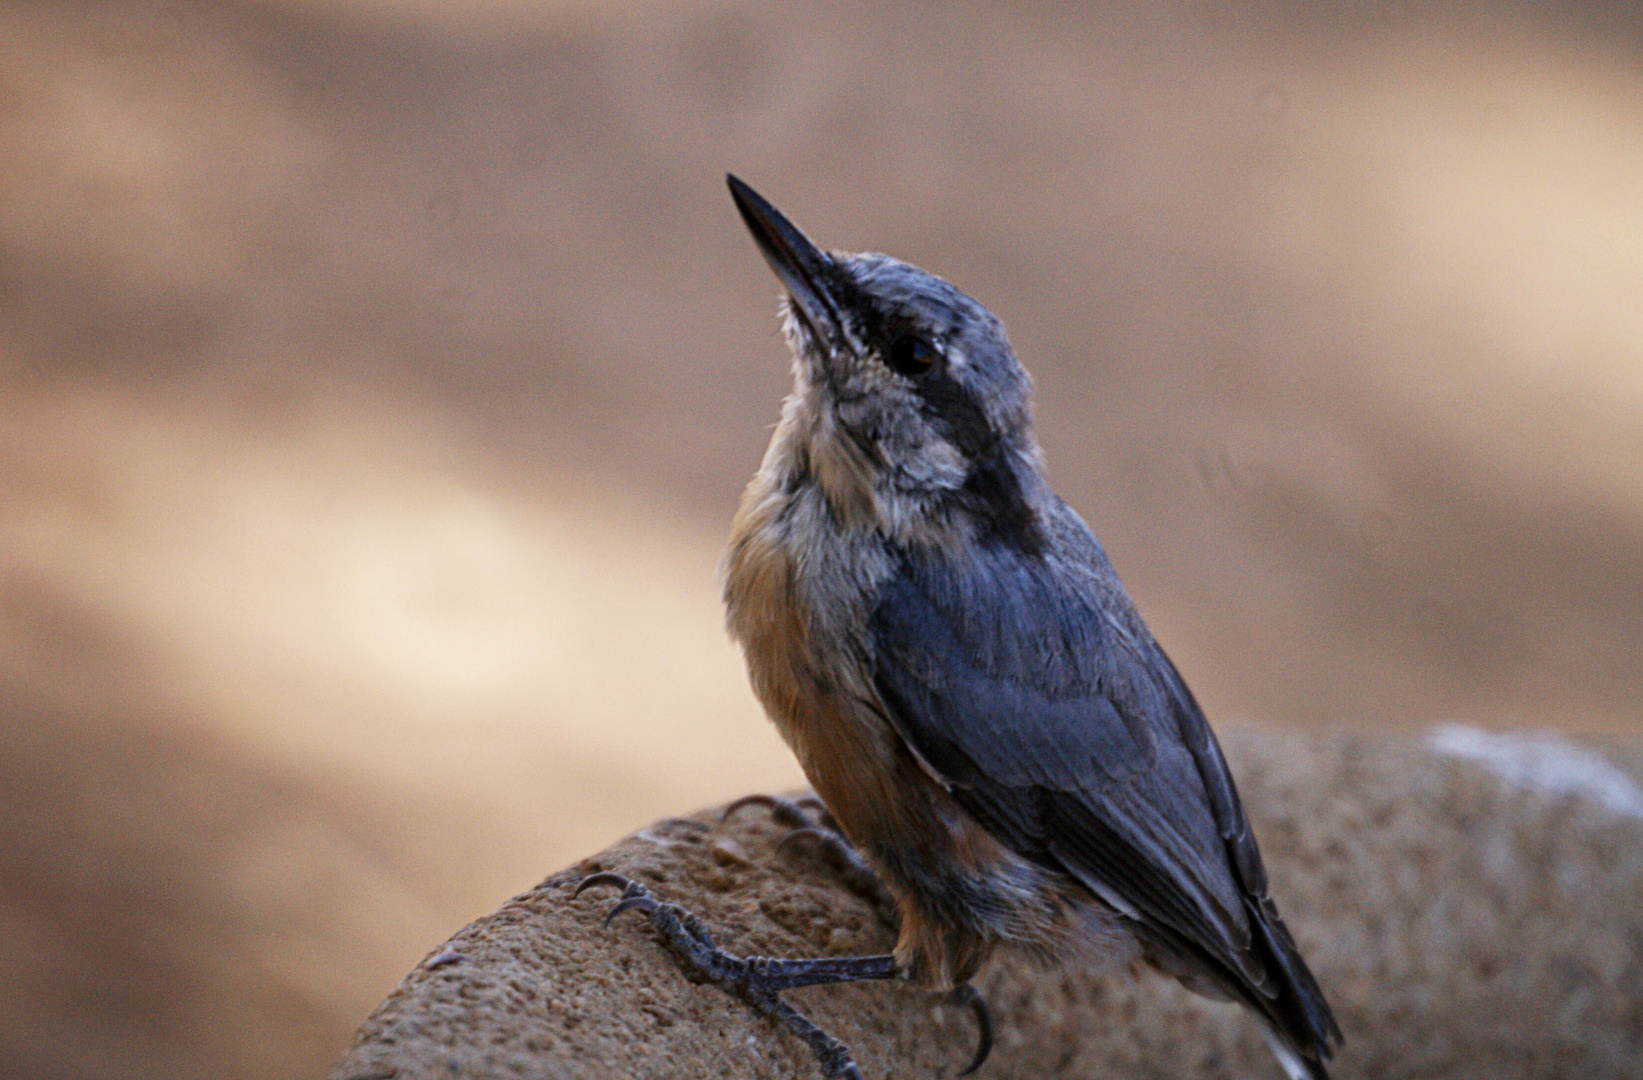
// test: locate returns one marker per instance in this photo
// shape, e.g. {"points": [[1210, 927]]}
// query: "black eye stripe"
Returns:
{"points": [[959, 414]]}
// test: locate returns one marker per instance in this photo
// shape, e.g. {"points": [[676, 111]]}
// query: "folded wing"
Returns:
{"points": [[1032, 689]]}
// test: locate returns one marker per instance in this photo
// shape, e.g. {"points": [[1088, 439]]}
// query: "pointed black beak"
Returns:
{"points": [[803, 268]]}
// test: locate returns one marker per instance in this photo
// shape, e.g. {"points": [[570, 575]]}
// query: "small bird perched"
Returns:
{"points": [[965, 681]]}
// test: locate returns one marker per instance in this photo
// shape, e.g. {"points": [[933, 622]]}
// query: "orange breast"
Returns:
{"points": [[959, 890]]}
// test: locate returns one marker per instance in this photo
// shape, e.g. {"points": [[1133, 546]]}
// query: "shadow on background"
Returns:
{"points": [[379, 379]]}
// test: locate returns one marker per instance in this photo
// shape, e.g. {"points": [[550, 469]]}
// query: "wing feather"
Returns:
{"points": [[1032, 688]]}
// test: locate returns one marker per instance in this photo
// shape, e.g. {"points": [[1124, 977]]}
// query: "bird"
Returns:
{"points": [[966, 683]]}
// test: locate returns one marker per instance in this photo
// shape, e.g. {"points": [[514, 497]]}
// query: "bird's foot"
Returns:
{"points": [[794, 813], [822, 834], [758, 980]]}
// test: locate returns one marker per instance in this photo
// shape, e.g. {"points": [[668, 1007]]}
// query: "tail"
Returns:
{"points": [[1271, 980], [1299, 1025], [1298, 1067]]}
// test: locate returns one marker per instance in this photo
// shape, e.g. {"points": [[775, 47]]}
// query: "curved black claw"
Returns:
{"points": [[786, 811], [628, 903], [634, 895], [970, 996], [824, 816], [826, 837], [847, 862], [823, 829], [603, 877]]}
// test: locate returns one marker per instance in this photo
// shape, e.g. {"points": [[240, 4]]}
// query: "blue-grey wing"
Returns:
{"points": [[1028, 683]]}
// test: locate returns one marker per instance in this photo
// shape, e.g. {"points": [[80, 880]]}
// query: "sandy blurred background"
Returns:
{"points": [[377, 378]]}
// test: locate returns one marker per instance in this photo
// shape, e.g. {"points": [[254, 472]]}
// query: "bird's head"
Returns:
{"points": [[907, 399]]}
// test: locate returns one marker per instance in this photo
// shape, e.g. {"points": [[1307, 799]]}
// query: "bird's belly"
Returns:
{"points": [[961, 892]]}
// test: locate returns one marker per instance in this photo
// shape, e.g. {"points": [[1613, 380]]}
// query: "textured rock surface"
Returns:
{"points": [[1462, 925]]}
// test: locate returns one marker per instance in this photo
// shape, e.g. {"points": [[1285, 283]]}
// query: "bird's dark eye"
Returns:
{"points": [[909, 355]]}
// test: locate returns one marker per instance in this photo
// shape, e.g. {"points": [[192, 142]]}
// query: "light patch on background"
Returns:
{"points": [[1491, 200], [356, 593], [445, 596], [1545, 762]]}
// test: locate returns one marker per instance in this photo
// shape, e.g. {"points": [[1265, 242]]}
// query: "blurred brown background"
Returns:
{"points": [[379, 377]]}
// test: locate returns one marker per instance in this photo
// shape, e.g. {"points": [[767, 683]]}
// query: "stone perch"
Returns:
{"points": [[1472, 904]]}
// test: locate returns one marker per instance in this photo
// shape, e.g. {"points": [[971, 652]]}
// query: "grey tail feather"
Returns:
{"points": [[1295, 1065], [1305, 1016]]}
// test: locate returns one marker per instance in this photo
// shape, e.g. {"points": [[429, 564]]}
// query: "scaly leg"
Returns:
{"points": [[757, 980]]}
